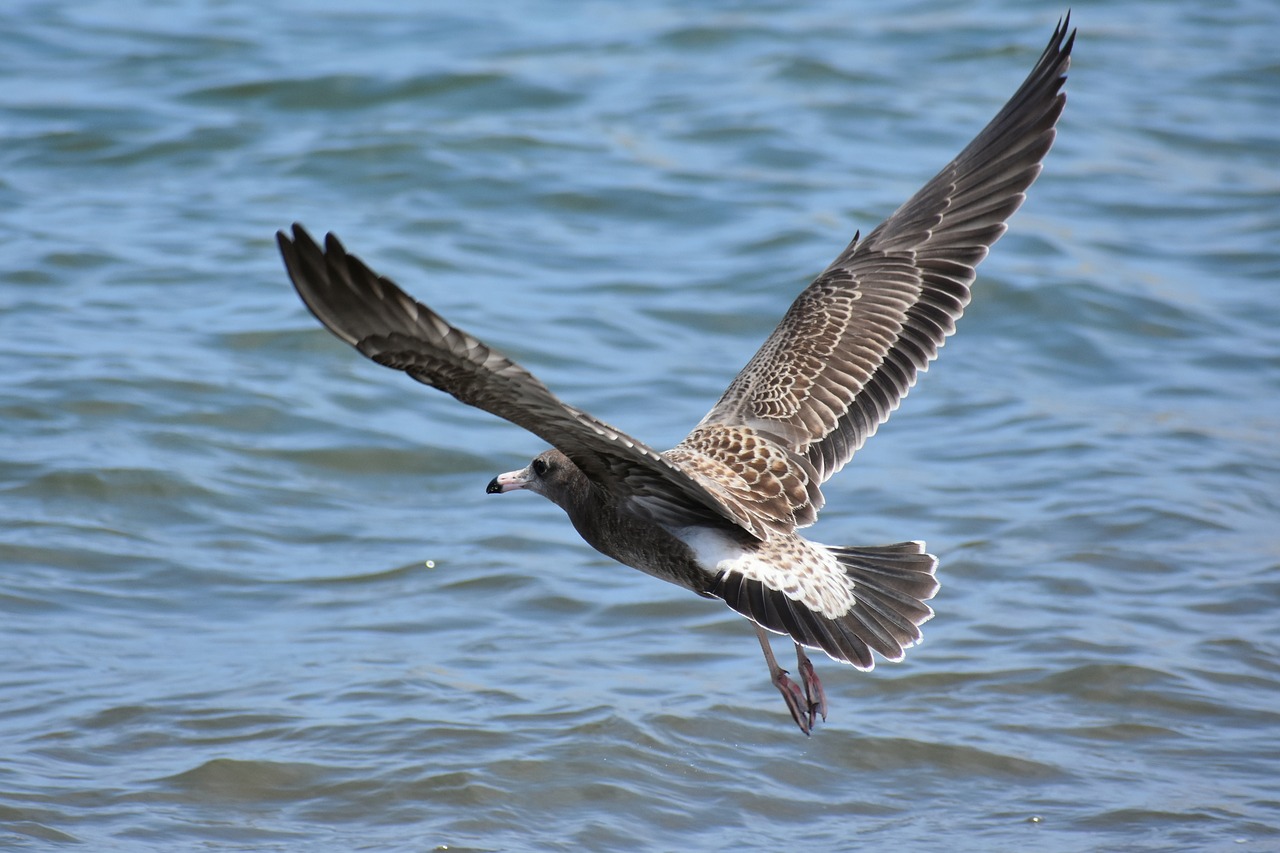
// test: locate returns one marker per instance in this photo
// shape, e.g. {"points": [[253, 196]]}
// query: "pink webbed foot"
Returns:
{"points": [[797, 702], [805, 704], [815, 697]]}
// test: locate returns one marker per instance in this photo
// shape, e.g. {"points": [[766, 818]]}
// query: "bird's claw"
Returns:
{"points": [[797, 702], [815, 696]]}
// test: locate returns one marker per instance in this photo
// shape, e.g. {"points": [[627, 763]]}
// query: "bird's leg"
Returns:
{"points": [[800, 707], [813, 692]]}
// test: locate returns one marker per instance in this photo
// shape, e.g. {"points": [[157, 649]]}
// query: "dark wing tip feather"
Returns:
{"points": [[309, 270], [353, 302]]}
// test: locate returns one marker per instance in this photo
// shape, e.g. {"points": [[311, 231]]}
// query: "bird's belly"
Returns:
{"points": [[650, 548]]}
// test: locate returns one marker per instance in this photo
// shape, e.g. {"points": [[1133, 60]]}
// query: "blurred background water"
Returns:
{"points": [[253, 595]]}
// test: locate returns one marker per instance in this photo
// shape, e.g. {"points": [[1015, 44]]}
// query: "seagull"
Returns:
{"points": [[720, 513]]}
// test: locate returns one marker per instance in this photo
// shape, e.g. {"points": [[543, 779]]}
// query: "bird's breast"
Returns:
{"points": [[642, 544]]}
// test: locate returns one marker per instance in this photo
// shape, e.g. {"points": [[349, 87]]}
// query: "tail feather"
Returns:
{"points": [[891, 584], [894, 579]]}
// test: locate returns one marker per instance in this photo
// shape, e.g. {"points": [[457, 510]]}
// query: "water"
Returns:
{"points": [[255, 598]]}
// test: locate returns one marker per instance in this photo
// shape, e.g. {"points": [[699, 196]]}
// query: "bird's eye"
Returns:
{"points": [[539, 467]]}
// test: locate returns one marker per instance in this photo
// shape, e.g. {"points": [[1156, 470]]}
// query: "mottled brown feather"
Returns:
{"points": [[753, 473]]}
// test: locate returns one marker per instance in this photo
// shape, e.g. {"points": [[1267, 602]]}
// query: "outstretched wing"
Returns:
{"points": [[849, 348], [381, 321]]}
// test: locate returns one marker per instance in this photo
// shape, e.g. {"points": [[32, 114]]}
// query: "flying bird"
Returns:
{"points": [[720, 513]]}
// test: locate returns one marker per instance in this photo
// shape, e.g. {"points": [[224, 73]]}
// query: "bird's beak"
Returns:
{"points": [[509, 482]]}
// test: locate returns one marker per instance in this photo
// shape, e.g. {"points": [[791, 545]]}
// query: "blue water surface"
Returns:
{"points": [[253, 595]]}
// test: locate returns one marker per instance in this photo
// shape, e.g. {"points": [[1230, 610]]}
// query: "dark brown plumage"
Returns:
{"points": [[719, 513]]}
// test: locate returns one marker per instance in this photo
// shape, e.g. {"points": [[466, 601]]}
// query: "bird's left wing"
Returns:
{"points": [[849, 348]]}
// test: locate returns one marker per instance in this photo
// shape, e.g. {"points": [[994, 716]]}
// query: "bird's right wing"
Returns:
{"points": [[380, 320]]}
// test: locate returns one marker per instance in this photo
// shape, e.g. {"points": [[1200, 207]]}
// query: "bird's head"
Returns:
{"points": [[551, 474]]}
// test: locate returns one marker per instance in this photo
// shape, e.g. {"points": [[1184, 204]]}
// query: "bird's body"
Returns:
{"points": [[605, 524], [720, 513]]}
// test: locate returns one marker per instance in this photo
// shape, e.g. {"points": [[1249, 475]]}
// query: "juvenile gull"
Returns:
{"points": [[718, 513]]}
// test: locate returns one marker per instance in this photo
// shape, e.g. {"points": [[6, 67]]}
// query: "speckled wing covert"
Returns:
{"points": [[380, 320], [849, 348]]}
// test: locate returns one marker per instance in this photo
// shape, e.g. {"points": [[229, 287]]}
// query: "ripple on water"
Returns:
{"points": [[252, 592]]}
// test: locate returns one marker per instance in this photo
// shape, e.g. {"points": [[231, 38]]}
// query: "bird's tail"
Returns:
{"points": [[890, 585]]}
